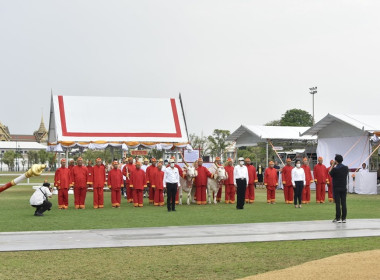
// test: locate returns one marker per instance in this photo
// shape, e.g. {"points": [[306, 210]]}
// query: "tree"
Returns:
{"points": [[198, 142], [274, 123], [296, 117], [9, 159], [217, 142], [43, 156], [32, 158]]}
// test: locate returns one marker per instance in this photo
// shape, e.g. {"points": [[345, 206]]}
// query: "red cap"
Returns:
{"points": [[153, 160], [63, 160], [320, 158], [200, 159], [80, 158], [229, 159], [98, 159], [247, 159], [271, 162], [217, 158]]}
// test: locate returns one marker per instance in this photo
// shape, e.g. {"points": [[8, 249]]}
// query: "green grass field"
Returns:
{"points": [[219, 261], [17, 215]]}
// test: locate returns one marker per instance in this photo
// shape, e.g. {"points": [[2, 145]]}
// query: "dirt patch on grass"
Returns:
{"points": [[361, 265]]}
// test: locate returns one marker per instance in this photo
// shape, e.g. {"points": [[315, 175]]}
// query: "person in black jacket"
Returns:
{"points": [[339, 174]]}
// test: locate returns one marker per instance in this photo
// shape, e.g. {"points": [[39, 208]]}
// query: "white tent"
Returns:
{"points": [[250, 135], [97, 122], [348, 135]]}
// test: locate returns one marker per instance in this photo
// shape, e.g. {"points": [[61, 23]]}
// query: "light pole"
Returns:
{"points": [[313, 91]]}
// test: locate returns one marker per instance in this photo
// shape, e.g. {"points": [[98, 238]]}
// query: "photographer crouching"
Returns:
{"points": [[39, 199]]}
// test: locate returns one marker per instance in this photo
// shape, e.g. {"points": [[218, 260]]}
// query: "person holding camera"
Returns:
{"points": [[39, 199], [339, 174]]}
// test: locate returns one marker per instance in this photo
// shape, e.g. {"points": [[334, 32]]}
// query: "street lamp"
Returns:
{"points": [[313, 91]]}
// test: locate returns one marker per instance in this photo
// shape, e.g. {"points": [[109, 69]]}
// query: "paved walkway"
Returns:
{"points": [[185, 235]]}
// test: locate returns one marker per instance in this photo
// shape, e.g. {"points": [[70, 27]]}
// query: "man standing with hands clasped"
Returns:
{"points": [[339, 173], [171, 180], [241, 181]]}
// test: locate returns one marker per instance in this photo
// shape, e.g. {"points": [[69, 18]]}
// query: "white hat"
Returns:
{"points": [[240, 158], [171, 160]]}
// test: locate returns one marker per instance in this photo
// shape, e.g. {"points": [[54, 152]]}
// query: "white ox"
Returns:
{"points": [[187, 184], [213, 185]]}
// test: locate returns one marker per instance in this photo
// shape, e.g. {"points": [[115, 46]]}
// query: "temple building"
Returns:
{"points": [[39, 136]]}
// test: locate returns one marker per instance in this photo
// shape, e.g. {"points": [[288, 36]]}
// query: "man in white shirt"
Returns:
{"points": [[39, 199], [172, 182], [241, 181], [145, 164]]}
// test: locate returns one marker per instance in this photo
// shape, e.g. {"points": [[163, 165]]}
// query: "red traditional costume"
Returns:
{"points": [[287, 183], [62, 181], [320, 177], [128, 169], [229, 183], [271, 183], [159, 188], [151, 180], [79, 177], [330, 183], [137, 184], [115, 183], [306, 188], [201, 184], [250, 192], [99, 180]]}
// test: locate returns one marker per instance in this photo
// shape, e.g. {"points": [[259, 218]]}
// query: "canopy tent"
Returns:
{"points": [[350, 136], [98, 122], [251, 135]]}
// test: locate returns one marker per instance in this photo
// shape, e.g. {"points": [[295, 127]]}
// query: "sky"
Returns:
{"points": [[234, 62]]}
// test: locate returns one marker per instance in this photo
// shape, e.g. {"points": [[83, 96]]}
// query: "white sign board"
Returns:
{"points": [[191, 156]]}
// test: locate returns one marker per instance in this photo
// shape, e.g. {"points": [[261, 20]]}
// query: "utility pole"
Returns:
{"points": [[313, 91]]}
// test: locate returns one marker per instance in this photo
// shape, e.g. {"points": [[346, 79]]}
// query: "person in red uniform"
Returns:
{"points": [[62, 182], [127, 172], [115, 183], [229, 191], [201, 182], [320, 178], [159, 186], [99, 181], [271, 182], [90, 169], [151, 179], [137, 184], [71, 164], [308, 179], [252, 175], [79, 177], [330, 183], [287, 181]]}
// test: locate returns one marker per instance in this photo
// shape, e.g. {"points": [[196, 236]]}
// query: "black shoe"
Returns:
{"points": [[174, 209], [335, 220], [38, 214], [169, 210]]}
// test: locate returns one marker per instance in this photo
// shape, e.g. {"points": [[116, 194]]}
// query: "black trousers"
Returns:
{"points": [[46, 205], [241, 188], [171, 190], [298, 192], [340, 204], [124, 189]]}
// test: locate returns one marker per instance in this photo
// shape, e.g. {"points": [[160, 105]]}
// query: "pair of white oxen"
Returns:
{"points": [[213, 185]]}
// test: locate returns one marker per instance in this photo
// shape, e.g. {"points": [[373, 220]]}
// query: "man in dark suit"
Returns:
{"points": [[339, 174]]}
